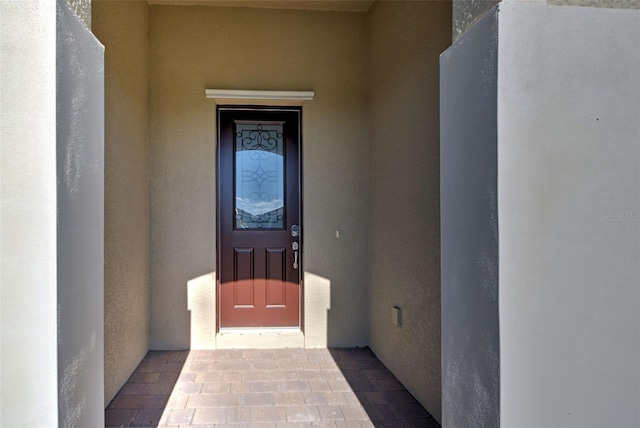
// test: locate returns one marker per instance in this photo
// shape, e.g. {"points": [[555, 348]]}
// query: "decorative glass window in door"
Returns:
{"points": [[259, 176]]}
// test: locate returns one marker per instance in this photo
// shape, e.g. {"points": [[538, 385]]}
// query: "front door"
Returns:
{"points": [[259, 217]]}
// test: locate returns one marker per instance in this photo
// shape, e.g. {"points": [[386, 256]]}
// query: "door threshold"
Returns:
{"points": [[259, 338], [242, 330]]}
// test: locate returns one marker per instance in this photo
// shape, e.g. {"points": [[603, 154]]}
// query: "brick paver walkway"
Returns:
{"points": [[347, 387]]}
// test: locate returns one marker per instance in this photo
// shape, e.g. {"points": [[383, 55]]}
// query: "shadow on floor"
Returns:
{"points": [[143, 399], [386, 401], [265, 388]]}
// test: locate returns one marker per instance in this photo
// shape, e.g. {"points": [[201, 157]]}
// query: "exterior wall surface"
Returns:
{"points": [[28, 349], [405, 41], [467, 12], [613, 4], [569, 209], [193, 48], [469, 168], [82, 9], [80, 252], [123, 28]]}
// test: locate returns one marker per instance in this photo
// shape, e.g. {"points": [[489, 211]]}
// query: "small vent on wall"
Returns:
{"points": [[396, 316]]}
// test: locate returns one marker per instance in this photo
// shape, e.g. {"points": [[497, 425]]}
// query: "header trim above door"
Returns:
{"points": [[232, 96]]}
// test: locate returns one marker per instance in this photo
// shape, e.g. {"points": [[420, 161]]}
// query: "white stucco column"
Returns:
{"points": [[51, 217], [569, 216], [28, 341], [540, 156]]}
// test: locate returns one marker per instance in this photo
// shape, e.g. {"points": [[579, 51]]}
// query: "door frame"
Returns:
{"points": [[218, 263]]}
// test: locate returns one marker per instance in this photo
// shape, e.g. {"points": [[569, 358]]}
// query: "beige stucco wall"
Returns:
{"points": [[122, 27], [405, 41], [197, 47]]}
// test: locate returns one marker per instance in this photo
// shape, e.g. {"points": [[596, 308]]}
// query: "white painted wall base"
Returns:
{"points": [[259, 339]]}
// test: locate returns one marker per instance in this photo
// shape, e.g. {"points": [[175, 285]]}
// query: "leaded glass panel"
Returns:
{"points": [[259, 176]]}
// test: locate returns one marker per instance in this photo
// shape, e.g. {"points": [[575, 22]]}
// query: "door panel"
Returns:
{"points": [[258, 205], [243, 278], [276, 276]]}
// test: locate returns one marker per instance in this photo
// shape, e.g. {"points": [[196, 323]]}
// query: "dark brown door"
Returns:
{"points": [[259, 217]]}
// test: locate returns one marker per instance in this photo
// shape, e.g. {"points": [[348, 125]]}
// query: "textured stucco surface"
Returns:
{"points": [[569, 210], [82, 8], [467, 12], [469, 171], [197, 47], [612, 4], [80, 257], [405, 41], [28, 349], [122, 27]]}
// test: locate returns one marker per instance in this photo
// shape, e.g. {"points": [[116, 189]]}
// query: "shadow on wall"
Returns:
{"points": [[201, 304]]}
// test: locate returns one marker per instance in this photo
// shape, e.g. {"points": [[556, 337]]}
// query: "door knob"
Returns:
{"points": [[294, 247]]}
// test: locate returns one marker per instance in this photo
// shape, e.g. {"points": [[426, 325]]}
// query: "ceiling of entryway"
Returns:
{"points": [[332, 5]]}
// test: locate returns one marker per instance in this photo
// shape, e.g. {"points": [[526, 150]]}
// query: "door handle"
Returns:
{"points": [[295, 247]]}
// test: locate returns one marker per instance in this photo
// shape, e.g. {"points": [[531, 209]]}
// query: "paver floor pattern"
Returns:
{"points": [[344, 387]]}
